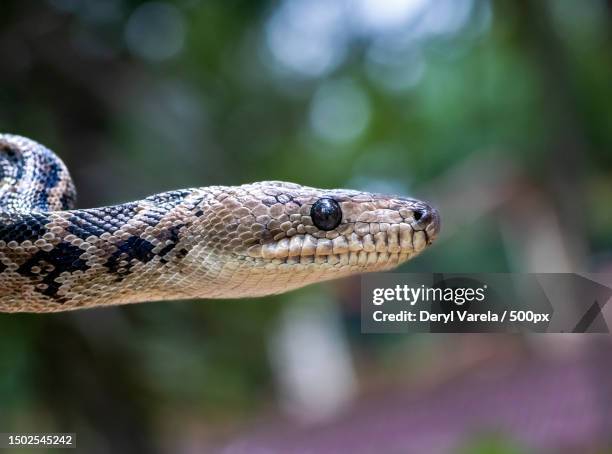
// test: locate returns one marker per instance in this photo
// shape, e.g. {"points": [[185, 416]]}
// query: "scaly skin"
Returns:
{"points": [[213, 242]]}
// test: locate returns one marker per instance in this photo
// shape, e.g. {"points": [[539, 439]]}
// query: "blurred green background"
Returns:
{"points": [[498, 112]]}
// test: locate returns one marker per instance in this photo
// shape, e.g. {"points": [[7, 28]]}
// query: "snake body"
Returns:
{"points": [[212, 242]]}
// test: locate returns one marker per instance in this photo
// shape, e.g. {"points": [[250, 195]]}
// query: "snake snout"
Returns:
{"points": [[427, 218]]}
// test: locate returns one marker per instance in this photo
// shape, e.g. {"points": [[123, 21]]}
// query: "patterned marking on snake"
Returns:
{"points": [[212, 242]]}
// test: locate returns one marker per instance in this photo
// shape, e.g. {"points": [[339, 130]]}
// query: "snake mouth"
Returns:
{"points": [[378, 246]]}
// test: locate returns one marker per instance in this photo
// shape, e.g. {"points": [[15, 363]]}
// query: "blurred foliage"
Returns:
{"points": [[140, 97]]}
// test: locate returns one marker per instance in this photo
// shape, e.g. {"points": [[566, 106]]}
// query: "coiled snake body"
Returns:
{"points": [[213, 242]]}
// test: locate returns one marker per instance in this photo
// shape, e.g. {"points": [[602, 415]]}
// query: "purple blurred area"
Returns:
{"points": [[540, 404]]}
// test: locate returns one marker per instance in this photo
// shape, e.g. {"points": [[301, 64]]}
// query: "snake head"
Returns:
{"points": [[270, 237]]}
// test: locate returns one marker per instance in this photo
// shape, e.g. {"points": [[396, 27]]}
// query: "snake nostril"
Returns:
{"points": [[418, 214]]}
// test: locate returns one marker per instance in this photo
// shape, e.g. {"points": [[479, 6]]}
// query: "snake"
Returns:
{"points": [[214, 242]]}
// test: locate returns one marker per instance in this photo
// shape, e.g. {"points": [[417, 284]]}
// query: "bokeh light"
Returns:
{"points": [[308, 37], [155, 31], [340, 111]]}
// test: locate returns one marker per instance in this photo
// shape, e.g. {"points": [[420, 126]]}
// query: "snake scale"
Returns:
{"points": [[213, 242]]}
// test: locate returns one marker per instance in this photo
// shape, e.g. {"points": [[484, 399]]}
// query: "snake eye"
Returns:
{"points": [[326, 214]]}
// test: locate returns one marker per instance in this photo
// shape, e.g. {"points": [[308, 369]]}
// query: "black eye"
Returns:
{"points": [[326, 214]]}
